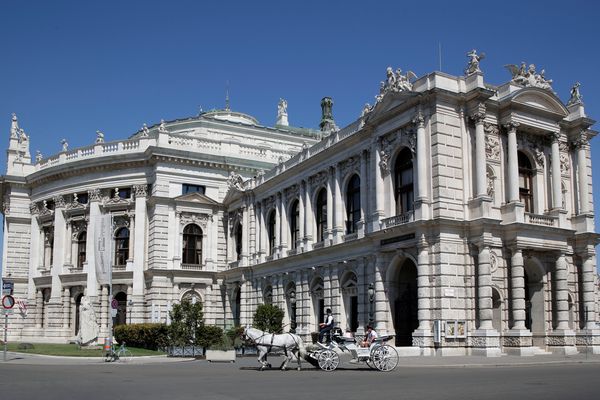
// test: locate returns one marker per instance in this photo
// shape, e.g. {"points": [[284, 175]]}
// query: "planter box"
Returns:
{"points": [[220, 355]]}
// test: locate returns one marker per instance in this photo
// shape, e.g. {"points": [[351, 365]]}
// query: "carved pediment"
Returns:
{"points": [[541, 100], [197, 198]]}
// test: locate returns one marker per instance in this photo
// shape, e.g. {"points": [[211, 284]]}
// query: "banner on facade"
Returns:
{"points": [[103, 240]]}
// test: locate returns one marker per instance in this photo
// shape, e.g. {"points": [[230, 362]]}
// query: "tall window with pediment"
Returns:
{"points": [[295, 224], [238, 240], [121, 246], [268, 295], [192, 245], [403, 182], [321, 214], [81, 245], [353, 204], [271, 231], [526, 173]]}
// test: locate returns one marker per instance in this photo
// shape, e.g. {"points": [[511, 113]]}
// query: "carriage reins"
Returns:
{"points": [[271, 345]]}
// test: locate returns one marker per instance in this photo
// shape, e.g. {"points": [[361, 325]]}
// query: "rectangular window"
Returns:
{"points": [[82, 198], [125, 193], [187, 188]]}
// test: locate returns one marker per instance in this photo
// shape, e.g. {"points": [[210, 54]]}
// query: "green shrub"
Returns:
{"points": [[145, 336], [223, 344], [268, 318], [209, 335], [25, 346], [235, 336], [186, 323]]}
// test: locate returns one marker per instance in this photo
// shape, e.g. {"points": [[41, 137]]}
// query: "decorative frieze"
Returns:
{"points": [[350, 165], [94, 195], [59, 201], [140, 190], [292, 192], [318, 180], [194, 218]]}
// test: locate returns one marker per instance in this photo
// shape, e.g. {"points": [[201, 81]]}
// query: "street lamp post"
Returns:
{"points": [[371, 293], [292, 297], [130, 307]]}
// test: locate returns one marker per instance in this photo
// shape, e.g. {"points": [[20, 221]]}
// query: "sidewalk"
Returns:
{"points": [[404, 362]]}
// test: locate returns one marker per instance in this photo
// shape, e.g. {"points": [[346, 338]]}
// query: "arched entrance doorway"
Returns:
{"points": [[534, 302], [77, 312], [121, 317], [403, 298]]}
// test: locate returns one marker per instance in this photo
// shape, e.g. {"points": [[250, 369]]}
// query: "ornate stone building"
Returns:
{"points": [[454, 214]]}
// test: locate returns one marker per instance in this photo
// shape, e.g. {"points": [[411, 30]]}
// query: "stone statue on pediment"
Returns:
{"points": [[576, 97], [474, 59], [38, 156], [65, 145], [235, 181], [528, 77], [395, 82], [162, 128], [145, 130]]}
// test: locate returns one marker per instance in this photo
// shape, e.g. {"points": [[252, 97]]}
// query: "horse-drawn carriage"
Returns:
{"points": [[378, 355]]}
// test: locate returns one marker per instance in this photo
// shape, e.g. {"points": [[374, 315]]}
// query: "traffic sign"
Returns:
{"points": [[8, 302], [8, 287], [114, 304]]}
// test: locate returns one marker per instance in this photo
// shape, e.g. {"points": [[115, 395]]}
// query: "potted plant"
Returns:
{"points": [[222, 351]]}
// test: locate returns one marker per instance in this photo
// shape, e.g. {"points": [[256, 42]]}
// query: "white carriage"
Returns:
{"points": [[379, 355]]}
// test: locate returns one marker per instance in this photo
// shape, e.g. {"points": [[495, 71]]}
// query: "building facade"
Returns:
{"points": [[454, 214]]}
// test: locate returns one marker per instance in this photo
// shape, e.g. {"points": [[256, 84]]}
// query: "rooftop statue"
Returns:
{"points": [[282, 107], [528, 77], [162, 128], [474, 59], [145, 130], [65, 145], [395, 82], [38, 156], [576, 97], [99, 137], [235, 181]]}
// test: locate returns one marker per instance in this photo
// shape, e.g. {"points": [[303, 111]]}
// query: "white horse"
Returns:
{"points": [[289, 343]]}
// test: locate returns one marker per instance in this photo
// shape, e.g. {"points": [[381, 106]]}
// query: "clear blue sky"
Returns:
{"points": [[70, 68]]}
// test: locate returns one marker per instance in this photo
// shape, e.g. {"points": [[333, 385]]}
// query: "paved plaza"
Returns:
{"points": [[540, 377]]}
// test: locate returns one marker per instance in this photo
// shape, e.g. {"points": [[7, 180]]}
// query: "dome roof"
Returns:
{"points": [[231, 116]]}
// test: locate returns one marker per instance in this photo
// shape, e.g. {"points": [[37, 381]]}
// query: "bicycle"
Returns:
{"points": [[121, 354]]}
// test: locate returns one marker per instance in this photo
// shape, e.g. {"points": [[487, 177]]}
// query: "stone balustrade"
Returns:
{"points": [[539, 219], [398, 220]]}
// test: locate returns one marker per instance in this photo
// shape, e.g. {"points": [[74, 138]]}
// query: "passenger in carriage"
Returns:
{"points": [[369, 337], [326, 326]]}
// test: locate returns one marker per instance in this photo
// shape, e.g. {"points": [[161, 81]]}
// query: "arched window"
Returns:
{"points": [[122, 247], [526, 173], [271, 232], [191, 296], [192, 245], [403, 182], [268, 295], [81, 245], [353, 204], [295, 224], [238, 241], [321, 216]]}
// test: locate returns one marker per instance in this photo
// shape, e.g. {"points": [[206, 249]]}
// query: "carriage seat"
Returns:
{"points": [[384, 338]]}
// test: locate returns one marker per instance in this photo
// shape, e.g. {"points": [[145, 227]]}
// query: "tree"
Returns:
{"points": [[186, 323], [268, 318]]}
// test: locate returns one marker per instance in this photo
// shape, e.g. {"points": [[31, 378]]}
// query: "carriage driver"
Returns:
{"points": [[370, 337], [326, 326]]}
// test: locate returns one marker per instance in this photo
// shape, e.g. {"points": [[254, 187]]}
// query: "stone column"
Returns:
{"points": [[480, 165], [301, 218], [422, 185], [58, 252], [66, 308], [90, 245], [34, 253], [309, 216], [338, 222], [330, 185], [263, 231], [104, 309], [132, 239], [518, 290], [513, 163], [284, 228], [69, 243], [380, 297], [245, 235], [562, 293], [377, 192], [484, 295], [423, 291], [588, 272], [582, 173], [278, 203], [139, 262], [39, 307], [556, 181], [364, 187]]}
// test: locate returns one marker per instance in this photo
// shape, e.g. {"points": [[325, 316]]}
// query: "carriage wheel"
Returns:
{"points": [[370, 364], [384, 357], [328, 360]]}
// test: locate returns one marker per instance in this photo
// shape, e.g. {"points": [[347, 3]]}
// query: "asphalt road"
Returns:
{"points": [[242, 380]]}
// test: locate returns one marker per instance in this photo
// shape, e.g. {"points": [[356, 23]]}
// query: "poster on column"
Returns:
{"points": [[103, 240]]}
